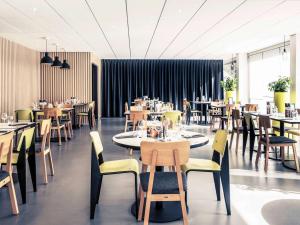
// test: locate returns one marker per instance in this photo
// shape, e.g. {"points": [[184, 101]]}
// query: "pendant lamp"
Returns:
{"points": [[46, 59], [65, 64], [56, 62]]}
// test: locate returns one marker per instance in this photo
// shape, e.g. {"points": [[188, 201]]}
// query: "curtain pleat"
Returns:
{"points": [[168, 80]]}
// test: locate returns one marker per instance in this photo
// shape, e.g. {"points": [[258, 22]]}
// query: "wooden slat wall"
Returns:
{"points": [[59, 85], [19, 76]]}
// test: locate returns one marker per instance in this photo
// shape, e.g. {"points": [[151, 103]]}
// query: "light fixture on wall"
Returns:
{"points": [[56, 62], [65, 64], [46, 59]]}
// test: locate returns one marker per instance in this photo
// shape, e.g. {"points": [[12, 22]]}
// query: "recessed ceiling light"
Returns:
{"points": [[34, 9], [179, 10]]}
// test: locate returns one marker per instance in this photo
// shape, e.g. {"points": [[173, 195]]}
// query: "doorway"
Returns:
{"points": [[95, 88]]}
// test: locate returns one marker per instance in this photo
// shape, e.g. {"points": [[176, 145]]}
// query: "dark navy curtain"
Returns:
{"points": [[168, 80]]}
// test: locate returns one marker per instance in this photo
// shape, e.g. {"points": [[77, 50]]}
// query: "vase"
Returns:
{"points": [[229, 94], [280, 100]]}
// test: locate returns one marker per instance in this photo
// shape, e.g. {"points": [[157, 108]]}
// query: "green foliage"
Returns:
{"points": [[229, 84], [281, 85]]}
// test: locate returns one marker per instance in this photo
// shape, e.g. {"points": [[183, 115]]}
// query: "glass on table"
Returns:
{"points": [[4, 117], [10, 119]]}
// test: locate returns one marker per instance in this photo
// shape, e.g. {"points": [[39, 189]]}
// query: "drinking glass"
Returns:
{"points": [[140, 128], [10, 119], [4, 117]]}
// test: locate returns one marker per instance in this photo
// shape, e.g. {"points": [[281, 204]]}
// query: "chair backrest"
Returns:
{"points": [[220, 141], [126, 107], [68, 106], [6, 147], [165, 153], [28, 136], [45, 126], [52, 113], [136, 116], [24, 115], [264, 124], [236, 118], [96, 141], [173, 116], [251, 107]]}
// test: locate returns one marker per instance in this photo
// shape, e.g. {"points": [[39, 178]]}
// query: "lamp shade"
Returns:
{"points": [[56, 62], [65, 65], [46, 59]]}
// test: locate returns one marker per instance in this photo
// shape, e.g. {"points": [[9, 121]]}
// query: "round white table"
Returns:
{"points": [[131, 139], [161, 212]]}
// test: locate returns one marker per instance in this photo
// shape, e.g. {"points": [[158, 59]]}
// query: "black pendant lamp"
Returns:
{"points": [[65, 64], [56, 62], [46, 59]]}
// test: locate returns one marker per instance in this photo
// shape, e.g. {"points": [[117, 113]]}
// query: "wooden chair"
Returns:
{"points": [[214, 114], [19, 160], [219, 168], [99, 168], [6, 179], [236, 128], [251, 107], [274, 141], [163, 186], [127, 117], [55, 115], [45, 150], [90, 114], [136, 116], [67, 119]]}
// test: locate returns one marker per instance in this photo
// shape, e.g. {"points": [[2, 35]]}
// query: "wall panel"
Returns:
{"points": [[19, 76]]}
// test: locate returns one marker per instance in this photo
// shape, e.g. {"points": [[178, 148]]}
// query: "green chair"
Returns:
{"points": [[24, 115], [219, 168], [173, 116], [99, 168], [19, 160]]}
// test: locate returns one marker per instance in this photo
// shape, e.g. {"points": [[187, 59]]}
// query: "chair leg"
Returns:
{"points": [[44, 168], [65, 133], [136, 196], [126, 121], [296, 158], [266, 158], [12, 196], [147, 208], [93, 199], [251, 147], [183, 208], [32, 168], [258, 153], [51, 163], [231, 139], [21, 170], [59, 136], [141, 205], [217, 184], [237, 142]]}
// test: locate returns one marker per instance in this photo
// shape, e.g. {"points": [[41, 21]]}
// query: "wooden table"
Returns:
{"points": [[16, 127], [160, 212]]}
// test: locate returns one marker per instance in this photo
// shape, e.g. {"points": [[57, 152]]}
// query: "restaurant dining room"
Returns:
{"points": [[149, 112]]}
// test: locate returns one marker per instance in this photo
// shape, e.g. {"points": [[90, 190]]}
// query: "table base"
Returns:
{"points": [[163, 212]]}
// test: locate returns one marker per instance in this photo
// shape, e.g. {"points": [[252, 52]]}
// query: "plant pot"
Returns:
{"points": [[280, 98], [229, 94]]}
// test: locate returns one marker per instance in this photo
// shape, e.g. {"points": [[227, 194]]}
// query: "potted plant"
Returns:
{"points": [[229, 86], [280, 89]]}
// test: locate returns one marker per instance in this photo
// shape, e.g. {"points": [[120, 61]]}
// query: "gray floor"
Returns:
{"points": [[65, 200]]}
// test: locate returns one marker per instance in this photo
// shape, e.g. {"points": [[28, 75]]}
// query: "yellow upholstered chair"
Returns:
{"points": [[25, 115], [219, 167], [19, 160], [6, 149], [173, 116], [99, 168]]}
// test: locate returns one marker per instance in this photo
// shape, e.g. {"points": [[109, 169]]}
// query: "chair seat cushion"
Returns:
{"points": [[164, 182], [280, 140], [3, 174], [119, 166], [201, 164]]}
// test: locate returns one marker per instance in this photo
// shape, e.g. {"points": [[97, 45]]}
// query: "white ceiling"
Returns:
{"points": [[189, 29]]}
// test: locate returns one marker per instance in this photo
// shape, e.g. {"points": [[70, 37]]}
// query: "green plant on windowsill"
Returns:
{"points": [[281, 85], [229, 84]]}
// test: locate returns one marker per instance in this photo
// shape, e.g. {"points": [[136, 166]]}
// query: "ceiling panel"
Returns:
{"points": [[166, 28]]}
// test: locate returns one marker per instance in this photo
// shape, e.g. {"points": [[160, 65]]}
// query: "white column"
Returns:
{"points": [[295, 68], [243, 77]]}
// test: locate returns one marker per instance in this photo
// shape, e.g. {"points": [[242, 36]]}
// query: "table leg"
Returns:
{"points": [[245, 135], [32, 163]]}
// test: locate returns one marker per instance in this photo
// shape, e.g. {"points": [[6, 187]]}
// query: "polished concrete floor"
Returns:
{"points": [[256, 198]]}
